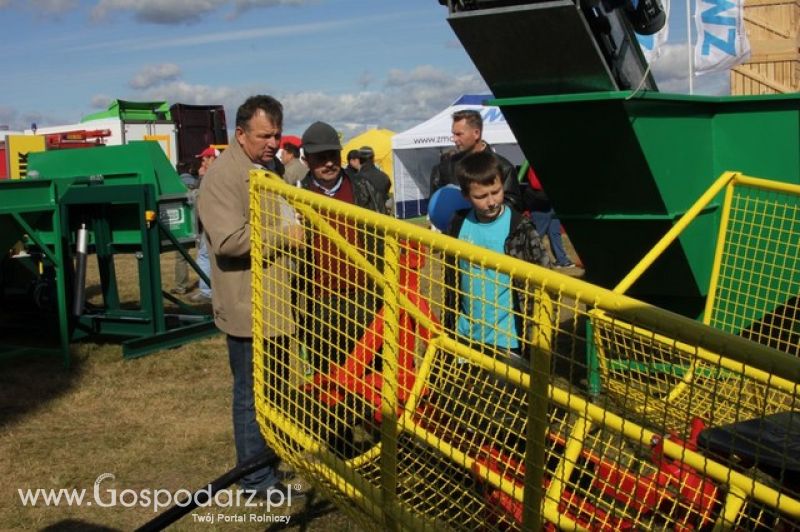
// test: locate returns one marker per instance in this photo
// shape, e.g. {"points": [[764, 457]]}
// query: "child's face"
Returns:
{"points": [[487, 200]]}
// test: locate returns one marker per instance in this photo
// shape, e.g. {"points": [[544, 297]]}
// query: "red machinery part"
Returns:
{"points": [[675, 488], [354, 375], [84, 138]]}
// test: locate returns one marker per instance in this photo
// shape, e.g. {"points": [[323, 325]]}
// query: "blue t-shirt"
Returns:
{"points": [[487, 310]]}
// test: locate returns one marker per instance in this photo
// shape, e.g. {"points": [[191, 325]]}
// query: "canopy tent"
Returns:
{"points": [[380, 140], [417, 150]]}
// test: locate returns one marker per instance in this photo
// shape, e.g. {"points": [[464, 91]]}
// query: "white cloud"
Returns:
{"points": [[365, 79], [181, 11], [152, 75], [425, 74], [40, 119], [395, 106], [157, 11], [718, 84], [100, 101], [407, 98], [5, 3], [244, 5], [182, 92], [404, 99], [17, 121]]}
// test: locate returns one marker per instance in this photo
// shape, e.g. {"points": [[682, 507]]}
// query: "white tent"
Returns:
{"points": [[416, 150]]}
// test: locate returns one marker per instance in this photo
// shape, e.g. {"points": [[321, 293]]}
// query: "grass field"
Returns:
{"points": [[157, 422]]}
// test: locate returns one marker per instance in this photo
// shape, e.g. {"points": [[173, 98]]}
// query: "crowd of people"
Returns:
{"points": [[340, 298]]}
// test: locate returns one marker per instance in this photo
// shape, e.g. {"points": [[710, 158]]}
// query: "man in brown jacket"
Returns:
{"points": [[224, 210]]}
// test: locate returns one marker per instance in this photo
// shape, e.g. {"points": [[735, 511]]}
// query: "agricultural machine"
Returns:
{"points": [[104, 203]]}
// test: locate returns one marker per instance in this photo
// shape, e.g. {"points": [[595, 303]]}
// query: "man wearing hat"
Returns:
{"points": [[208, 156], [341, 297], [322, 150], [375, 175], [353, 163]]}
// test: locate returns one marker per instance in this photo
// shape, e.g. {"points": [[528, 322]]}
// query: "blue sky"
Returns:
{"points": [[354, 63]]}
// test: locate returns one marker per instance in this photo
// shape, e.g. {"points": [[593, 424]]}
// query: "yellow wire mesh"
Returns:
{"points": [[410, 418], [758, 282], [753, 293]]}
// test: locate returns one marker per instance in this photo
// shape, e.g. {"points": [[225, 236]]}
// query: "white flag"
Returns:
{"points": [[651, 45], [721, 38]]}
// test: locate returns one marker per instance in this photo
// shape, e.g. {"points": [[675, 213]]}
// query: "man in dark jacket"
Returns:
{"points": [[375, 175], [467, 133], [353, 163]]}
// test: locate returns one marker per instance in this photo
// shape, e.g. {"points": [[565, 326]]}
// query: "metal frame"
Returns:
{"points": [[148, 329]]}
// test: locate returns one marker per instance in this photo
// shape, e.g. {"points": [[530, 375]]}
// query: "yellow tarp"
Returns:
{"points": [[380, 140]]}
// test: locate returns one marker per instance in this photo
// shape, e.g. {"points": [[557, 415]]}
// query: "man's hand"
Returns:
{"points": [[296, 235]]}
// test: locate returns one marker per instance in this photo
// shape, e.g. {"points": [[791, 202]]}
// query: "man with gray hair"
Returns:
{"points": [[224, 207]]}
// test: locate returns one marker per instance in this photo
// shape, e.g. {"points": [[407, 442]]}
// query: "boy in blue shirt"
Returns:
{"points": [[488, 310]]}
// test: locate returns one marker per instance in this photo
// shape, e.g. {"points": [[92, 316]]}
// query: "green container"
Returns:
{"points": [[621, 168], [137, 163], [36, 199], [115, 192]]}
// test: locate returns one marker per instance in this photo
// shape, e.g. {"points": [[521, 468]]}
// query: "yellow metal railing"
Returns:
{"points": [[407, 420], [753, 293]]}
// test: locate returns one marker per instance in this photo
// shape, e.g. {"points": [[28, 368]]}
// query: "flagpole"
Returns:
{"points": [[689, 44]]}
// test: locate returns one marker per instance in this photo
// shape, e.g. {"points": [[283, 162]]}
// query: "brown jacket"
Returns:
{"points": [[224, 209]]}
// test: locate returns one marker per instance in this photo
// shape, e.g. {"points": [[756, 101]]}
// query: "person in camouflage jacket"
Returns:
{"points": [[522, 242]]}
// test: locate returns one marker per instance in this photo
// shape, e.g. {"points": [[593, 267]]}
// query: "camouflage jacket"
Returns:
{"points": [[522, 242]]}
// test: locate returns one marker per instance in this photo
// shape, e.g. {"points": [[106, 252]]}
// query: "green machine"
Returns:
{"points": [[620, 161], [621, 168], [121, 200]]}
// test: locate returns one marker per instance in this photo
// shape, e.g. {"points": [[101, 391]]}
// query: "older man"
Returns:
{"points": [[341, 299], [224, 211], [467, 131]]}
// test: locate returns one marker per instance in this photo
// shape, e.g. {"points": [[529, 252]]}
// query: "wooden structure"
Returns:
{"points": [[774, 64]]}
